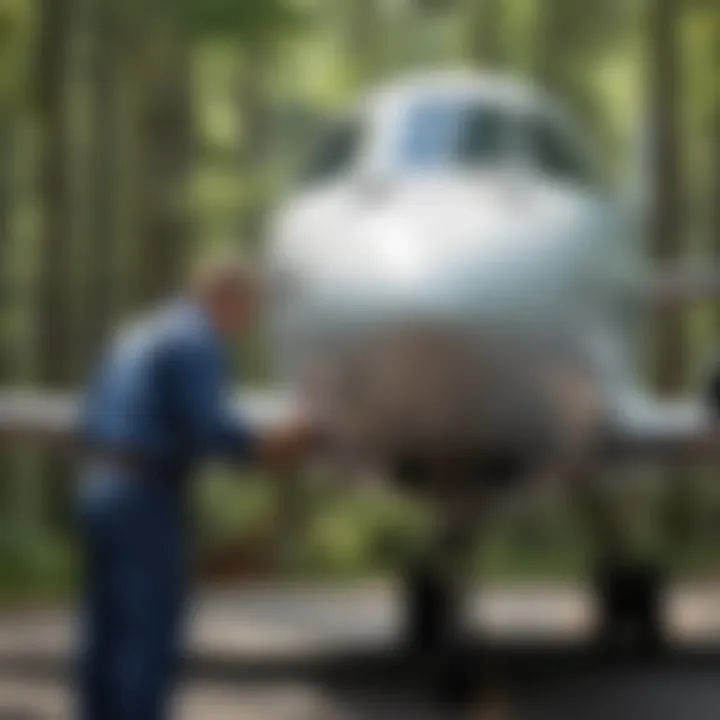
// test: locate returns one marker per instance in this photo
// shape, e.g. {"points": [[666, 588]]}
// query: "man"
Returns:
{"points": [[155, 408]]}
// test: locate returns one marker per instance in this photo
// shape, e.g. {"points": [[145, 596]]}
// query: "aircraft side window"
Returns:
{"points": [[481, 136], [555, 154], [336, 153]]}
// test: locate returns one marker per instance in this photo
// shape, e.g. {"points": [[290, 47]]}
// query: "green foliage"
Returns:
{"points": [[231, 505], [247, 21], [362, 535], [35, 565], [16, 33]]}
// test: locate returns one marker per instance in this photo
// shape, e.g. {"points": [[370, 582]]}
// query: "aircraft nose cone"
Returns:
{"points": [[403, 259]]}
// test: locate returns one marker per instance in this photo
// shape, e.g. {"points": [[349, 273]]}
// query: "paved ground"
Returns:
{"points": [[298, 654]]}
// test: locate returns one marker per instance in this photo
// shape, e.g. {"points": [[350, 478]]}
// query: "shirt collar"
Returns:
{"points": [[197, 317]]}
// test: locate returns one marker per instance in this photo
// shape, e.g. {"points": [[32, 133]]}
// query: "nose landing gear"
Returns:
{"points": [[435, 611], [628, 594], [630, 608], [431, 610]]}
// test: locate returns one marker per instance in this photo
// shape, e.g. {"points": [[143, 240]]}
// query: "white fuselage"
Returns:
{"points": [[496, 250]]}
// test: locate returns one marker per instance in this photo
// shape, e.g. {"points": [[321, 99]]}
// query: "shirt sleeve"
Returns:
{"points": [[205, 406]]}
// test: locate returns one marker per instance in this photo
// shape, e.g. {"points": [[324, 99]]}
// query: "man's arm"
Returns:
{"points": [[200, 386], [205, 405]]}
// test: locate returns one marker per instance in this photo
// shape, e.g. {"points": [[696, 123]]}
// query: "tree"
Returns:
{"points": [[15, 50], [484, 34], [667, 222], [14, 25], [55, 192], [165, 133], [103, 186], [54, 339], [364, 39], [670, 352], [166, 119], [571, 41], [7, 166], [253, 114], [557, 48], [715, 198]]}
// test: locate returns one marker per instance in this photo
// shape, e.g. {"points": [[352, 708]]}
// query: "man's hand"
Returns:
{"points": [[290, 443]]}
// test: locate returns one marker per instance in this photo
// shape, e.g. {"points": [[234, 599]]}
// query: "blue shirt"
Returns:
{"points": [[161, 392]]}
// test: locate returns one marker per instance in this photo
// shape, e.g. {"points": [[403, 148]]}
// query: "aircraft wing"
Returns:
{"points": [[45, 417], [689, 281], [641, 427], [50, 418], [652, 428]]}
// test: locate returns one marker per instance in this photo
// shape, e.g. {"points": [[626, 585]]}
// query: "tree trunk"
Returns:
{"points": [[484, 33], [570, 40], [54, 340], [55, 194], [715, 192], [6, 178], [558, 58], [365, 40], [549, 60], [6, 295], [666, 223], [254, 140], [165, 129], [103, 233]]}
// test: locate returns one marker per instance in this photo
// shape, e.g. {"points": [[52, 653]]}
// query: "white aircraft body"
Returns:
{"points": [[458, 214]]}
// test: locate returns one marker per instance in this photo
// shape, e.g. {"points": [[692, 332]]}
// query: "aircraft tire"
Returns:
{"points": [[630, 608]]}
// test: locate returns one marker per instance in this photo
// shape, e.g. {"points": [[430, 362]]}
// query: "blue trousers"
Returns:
{"points": [[135, 579]]}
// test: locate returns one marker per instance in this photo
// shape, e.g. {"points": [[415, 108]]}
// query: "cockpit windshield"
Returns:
{"points": [[458, 133], [473, 134], [437, 134]]}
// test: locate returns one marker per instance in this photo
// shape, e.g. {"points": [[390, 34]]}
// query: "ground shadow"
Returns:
{"points": [[536, 680]]}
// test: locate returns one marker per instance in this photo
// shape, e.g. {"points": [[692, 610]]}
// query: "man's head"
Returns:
{"points": [[229, 290]]}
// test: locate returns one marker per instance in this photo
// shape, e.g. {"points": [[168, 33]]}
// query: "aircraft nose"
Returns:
{"points": [[375, 259], [395, 267], [404, 259]]}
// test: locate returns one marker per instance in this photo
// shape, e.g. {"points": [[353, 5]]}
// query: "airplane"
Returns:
{"points": [[460, 295]]}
